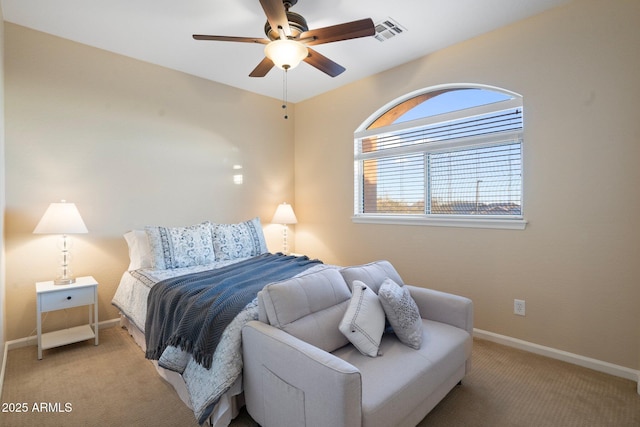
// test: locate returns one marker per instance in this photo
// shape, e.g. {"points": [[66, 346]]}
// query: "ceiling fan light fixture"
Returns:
{"points": [[286, 54]]}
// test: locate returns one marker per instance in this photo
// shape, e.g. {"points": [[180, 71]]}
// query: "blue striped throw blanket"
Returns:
{"points": [[191, 312]]}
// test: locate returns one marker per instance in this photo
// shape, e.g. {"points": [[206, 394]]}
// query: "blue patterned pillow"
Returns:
{"points": [[233, 241], [175, 247]]}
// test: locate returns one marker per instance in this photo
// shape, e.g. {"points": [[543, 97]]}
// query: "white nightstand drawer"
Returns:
{"points": [[66, 298]]}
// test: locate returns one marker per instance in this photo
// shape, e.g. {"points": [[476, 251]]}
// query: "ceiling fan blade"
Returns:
{"points": [[334, 33], [263, 68], [276, 15], [323, 63], [230, 39]]}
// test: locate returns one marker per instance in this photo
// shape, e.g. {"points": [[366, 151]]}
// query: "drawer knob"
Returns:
{"points": [[68, 298]]}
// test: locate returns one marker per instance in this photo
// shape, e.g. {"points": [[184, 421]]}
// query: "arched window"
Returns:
{"points": [[449, 155]]}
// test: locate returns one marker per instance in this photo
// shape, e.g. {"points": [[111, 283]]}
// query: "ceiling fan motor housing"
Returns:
{"points": [[297, 24]]}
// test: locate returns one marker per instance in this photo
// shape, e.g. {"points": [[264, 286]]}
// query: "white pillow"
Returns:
{"points": [[139, 250], [363, 322], [402, 312], [242, 240], [176, 247]]}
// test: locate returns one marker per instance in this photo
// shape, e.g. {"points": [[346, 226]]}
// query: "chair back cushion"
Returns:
{"points": [[372, 274], [309, 307]]}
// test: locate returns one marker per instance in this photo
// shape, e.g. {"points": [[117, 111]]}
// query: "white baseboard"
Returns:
{"points": [[25, 342], [576, 359]]}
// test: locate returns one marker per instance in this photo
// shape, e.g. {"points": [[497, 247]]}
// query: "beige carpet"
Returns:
{"points": [[509, 387], [113, 385]]}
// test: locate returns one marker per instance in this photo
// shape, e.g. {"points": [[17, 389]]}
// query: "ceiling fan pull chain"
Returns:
{"points": [[284, 94]]}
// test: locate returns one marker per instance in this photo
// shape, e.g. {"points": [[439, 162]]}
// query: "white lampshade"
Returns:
{"points": [[61, 218], [284, 215], [286, 54]]}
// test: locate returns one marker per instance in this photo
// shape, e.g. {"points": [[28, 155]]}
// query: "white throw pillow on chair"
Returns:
{"points": [[363, 322]]}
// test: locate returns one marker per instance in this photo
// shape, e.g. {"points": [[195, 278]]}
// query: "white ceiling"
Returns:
{"points": [[159, 32]]}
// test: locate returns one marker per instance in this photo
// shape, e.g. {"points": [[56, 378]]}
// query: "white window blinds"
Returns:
{"points": [[465, 163]]}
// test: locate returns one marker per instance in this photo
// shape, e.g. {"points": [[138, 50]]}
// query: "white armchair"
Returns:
{"points": [[299, 370]]}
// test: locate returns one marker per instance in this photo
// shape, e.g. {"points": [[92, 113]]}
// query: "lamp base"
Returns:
{"points": [[64, 281]]}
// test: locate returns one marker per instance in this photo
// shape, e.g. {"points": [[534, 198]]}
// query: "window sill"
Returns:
{"points": [[507, 223]]}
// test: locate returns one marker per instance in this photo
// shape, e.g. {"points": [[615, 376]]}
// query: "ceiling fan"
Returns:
{"points": [[288, 39]]}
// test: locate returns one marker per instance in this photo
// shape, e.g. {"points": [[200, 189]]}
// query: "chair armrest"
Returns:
{"points": [[287, 381], [443, 307]]}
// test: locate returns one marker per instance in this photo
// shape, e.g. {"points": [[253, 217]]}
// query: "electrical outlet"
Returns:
{"points": [[518, 307]]}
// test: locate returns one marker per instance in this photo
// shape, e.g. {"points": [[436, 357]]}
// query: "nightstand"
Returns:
{"points": [[50, 297]]}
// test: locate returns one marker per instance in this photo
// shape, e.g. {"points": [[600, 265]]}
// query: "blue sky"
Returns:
{"points": [[452, 101]]}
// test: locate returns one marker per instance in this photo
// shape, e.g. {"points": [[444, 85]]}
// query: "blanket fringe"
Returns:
{"points": [[178, 342], [201, 357]]}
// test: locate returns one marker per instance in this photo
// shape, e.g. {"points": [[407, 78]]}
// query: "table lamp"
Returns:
{"points": [[284, 215], [62, 218]]}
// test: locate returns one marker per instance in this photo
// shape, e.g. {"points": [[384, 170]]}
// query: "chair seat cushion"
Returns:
{"points": [[395, 384]]}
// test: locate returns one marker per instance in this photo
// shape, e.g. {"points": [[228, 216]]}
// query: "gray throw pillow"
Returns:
{"points": [[402, 312]]}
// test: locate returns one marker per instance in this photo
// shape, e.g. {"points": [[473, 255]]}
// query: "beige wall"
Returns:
{"points": [[131, 144], [577, 263], [2, 198]]}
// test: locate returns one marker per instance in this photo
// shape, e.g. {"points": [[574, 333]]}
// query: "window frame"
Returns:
{"points": [[515, 222]]}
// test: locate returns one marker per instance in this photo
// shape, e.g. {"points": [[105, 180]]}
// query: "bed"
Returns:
{"points": [[167, 263]]}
